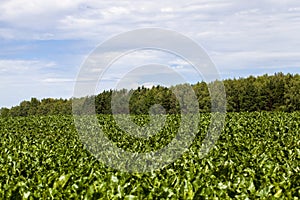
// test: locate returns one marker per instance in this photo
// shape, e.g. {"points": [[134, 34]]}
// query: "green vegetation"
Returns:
{"points": [[278, 92], [256, 156]]}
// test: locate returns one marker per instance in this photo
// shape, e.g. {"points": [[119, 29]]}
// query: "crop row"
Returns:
{"points": [[256, 156]]}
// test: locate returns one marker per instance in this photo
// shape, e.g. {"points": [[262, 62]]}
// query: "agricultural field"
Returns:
{"points": [[257, 156]]}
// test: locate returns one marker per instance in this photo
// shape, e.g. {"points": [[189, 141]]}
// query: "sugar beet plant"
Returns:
{"points": [[256, 157]]}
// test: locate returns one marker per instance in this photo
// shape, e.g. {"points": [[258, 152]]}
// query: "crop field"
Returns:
{"points": [[257, 156]]}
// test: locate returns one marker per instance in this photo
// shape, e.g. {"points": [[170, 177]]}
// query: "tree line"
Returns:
{"points": [[278, 92]]}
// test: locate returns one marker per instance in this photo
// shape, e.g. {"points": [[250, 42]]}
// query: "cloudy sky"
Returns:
{"points": [[45, 42]]}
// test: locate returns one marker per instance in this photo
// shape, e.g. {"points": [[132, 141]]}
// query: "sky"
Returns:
{"points": [[44, 43]]}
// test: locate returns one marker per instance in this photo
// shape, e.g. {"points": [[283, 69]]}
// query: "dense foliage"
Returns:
{"points": [[256, 156], [264, 93]]}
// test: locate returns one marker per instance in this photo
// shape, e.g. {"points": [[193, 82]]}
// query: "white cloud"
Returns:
{"points": [[14, 10], [58, 80], [23, 79], [167, 9], [238, 35], [259, 59], [115, 12], [23, 66]]}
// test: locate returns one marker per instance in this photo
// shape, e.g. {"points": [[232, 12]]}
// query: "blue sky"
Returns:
{"points": [[44, 42]]}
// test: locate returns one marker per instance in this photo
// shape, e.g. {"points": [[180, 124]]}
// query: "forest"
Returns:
{"points": [[277, 92]]}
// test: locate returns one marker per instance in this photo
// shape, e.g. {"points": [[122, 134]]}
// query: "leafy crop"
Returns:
{"points": [[256, 156]]}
